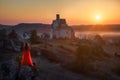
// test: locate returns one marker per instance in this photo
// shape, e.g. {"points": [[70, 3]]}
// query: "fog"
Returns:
{"points": [[87, 34]]}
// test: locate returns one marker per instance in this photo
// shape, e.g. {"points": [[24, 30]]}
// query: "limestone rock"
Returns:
{"points": [[8, 70]]}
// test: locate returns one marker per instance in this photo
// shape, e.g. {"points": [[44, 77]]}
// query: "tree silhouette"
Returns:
{"points": [[3, 33], [3, 37], [34, 37], [13, 35]]}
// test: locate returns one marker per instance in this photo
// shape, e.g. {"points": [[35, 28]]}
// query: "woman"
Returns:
{"points": [[26, 57]]}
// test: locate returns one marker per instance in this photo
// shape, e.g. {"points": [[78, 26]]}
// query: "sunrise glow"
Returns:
{"points": [[75, 11]]}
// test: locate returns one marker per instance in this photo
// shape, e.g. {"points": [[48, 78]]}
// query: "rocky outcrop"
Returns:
{"points": [[10, 41], [28, 73], [10, 70]]}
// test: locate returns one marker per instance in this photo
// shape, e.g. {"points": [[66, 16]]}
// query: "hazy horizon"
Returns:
{"points": [[51, 23]]}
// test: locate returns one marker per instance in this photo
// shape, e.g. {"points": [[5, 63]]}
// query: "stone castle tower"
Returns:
{"points": [[60, 29]]}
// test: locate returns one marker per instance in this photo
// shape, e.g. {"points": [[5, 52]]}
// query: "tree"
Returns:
{"points": [[34, 37], [3, 33], [86, 55], [3, 37], [99, 40], [13, 35]]}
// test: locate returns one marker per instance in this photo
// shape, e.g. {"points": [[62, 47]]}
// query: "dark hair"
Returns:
{"points": [[26, 46]]}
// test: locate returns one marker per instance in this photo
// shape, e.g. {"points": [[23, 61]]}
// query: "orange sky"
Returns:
{"points": [[75, 11]]}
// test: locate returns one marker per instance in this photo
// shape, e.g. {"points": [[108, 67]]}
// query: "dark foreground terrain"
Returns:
{"points": [[79, 59], [87, 58]]}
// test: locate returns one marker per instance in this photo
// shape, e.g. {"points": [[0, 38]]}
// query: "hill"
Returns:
{"points": [[25, 27], [45, 28]]}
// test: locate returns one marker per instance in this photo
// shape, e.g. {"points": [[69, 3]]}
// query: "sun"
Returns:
{"points": [[97, 17]]}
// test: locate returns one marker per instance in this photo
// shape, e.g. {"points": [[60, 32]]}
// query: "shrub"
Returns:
{"points": [[49, 55], [116, 70], [117, 55], [85, 57]]}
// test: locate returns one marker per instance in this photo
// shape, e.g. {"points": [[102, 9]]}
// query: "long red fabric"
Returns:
{"points": [[26, 57]]}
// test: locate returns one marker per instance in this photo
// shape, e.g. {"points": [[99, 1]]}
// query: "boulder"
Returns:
{"points": [[26, 73], [8, 70]]}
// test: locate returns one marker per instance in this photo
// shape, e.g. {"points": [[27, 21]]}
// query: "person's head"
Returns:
{"points": [[26, 46]]}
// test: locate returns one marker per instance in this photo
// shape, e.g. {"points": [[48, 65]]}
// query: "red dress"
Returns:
{"points": [[26, 57]]}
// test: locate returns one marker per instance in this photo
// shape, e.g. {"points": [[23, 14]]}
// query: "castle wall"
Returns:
{"points": [[61, 33], [60, 29]]}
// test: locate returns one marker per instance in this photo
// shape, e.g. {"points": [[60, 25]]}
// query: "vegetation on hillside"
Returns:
{"points": [[34, 38]]}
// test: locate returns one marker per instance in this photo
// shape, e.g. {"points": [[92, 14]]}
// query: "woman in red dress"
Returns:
{"points": [[26, 57]]}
